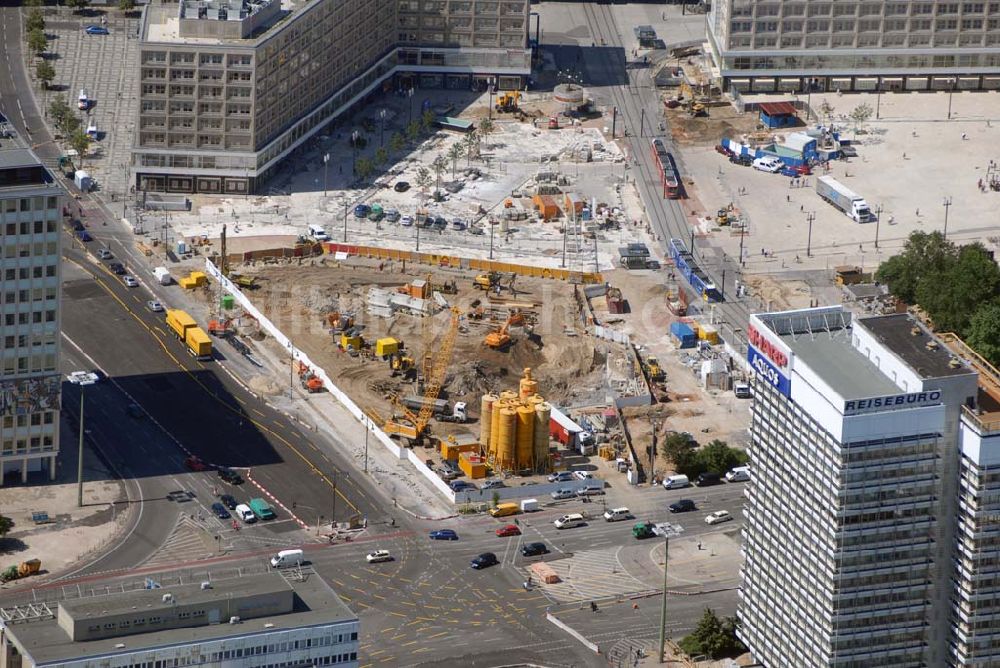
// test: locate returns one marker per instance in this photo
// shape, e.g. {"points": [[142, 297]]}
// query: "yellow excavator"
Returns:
{"points": [[508, 101], [500, 338], [693, 106]]}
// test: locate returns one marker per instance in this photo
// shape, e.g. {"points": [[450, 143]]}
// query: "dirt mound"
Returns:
{"points": [[264, 385]]}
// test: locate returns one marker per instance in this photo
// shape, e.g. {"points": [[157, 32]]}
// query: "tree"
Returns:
{"points": [[440, 165], [80, 142], [396, 142], [35, 20], [364, 168], [423, 178], [413, 130], [485, 128], [860, 114], [32, 3], [713, 637], [826, 110], [126, 5], [952, 294], [495, 499], [78, 5], [923, 254], [471, 142], [674, 445], [70, 125], [427, 120], [381, 155], [37, 41], [719, 457], [46, 73], [983, 333], [59, 110], [6, 524], [455, 152]]}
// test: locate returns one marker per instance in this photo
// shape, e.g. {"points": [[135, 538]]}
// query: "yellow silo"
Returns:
{"points": [[543, 414], [491, 451], [505, 438], [524, 454], [528, 386], [486, 419], [508, 395]]}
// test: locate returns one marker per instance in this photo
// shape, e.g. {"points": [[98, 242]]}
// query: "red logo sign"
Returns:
{"points": [[768, 349]]}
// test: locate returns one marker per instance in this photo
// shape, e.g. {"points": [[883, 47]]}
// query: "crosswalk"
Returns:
{"points": [[189, 540], [590, 574]]}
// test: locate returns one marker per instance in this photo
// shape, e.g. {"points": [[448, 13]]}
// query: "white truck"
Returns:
{"points": [[163, 276], [83, 180], [845, 199]]}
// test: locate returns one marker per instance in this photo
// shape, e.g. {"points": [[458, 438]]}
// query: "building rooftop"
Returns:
{"points": [[19, 166], [314, 603], [215, 22], [915, 345]]}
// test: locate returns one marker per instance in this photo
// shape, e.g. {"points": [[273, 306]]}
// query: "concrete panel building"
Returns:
{"points": [[252, 621], [820, 45], [231, 88], [31, 206]]}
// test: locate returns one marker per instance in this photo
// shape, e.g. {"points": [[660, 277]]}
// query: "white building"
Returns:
{"points": [[31, 203], [849, 535], [258, 621], [819, 45]]}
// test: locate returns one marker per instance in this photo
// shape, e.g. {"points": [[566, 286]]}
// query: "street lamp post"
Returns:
{"points": [[947, 205], [345, 221], [354, 147], [326, 170], [489, 85], [878, 220], [810, 217], [642, 121], [669, 531], [409, 94], [878, 100], [381, 133], [79, 458], [951, 91], [417, 225]]}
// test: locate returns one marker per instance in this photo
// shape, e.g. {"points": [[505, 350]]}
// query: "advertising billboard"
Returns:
{"points": [[768, 372]]}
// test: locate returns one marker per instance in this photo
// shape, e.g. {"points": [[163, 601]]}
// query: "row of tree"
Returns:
{"points": [[69, 125], [688, 459], [713, 637], [958, 287]]}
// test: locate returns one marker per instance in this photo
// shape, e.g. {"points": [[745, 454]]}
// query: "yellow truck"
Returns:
{"points": [[194, 338]]}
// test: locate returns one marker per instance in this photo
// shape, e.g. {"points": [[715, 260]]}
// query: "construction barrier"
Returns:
{"points": [[455, 262]]}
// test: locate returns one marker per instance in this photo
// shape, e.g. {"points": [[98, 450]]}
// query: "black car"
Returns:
{"points": [[742, 160], [401, 186], [707, 479], [484, 560], [78, 226], [683, 506], [534, 549], [134, 410], [229, 501], [230, 476], [117, 267], [220, 511]]}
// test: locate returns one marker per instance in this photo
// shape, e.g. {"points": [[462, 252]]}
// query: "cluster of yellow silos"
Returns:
{"points": [[514, 428]]}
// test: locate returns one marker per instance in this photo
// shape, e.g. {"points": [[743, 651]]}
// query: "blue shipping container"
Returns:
{"points": [[686, 338]]}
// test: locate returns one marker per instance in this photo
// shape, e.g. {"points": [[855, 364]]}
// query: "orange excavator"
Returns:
{"points": [[500, 338], [310, 382]]}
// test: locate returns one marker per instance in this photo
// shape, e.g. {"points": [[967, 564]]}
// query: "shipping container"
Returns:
{"points": [[179, 321], [198, 343], [684, 335]]}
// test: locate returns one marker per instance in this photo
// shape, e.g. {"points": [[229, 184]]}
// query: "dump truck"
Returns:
{"points": [[262, 509], [845, 199], [656, 373], [22, 570], [197, 341]]}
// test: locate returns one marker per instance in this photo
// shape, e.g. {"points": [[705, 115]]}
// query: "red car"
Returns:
{"points": [[194, 464], [508, 530]]}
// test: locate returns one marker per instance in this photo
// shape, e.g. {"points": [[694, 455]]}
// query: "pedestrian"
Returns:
{"points": [[964, 136], [918, 213], [788, 198], [762, 253], [980, 184], [802, 207]]}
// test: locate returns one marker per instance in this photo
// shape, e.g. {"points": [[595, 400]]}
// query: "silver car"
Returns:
{"points": [[563, 493], [129, 281]]}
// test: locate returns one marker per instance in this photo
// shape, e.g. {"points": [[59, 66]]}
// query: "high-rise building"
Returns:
{"points": [[31, 206], [822, 45], [246, 622], [849, 540], [231, 88]]}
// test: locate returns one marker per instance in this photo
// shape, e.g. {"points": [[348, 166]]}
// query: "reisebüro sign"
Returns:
{"points": [[892, 402]]}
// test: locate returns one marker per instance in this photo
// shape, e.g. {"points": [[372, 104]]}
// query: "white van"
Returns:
{"points": [[738, 474], [569, 521], [244, 513], [616, 514], [676, 482], [287, 558], [318, 233]]}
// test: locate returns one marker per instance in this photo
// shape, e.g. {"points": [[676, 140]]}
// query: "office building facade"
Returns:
{"points": [[849, 540], [229, 90], [868, 45], [31, 205]]}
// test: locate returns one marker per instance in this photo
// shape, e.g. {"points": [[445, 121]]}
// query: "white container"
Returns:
{"points": [[529, 505], [163, 276]]}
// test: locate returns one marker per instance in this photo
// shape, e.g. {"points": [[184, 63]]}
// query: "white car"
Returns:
{"points": [[583, 475], [718, 517], [377, 556], [768, 164], [406, 221], [130, 281], [154, 306], [104, 254], [82, 378]]}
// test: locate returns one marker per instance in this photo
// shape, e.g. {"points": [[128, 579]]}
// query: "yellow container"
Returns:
{"points": [[350, 340], [528, 386], [709, 333], [198, 277], [543, 415], [386, 346], [187, 283], [455, 450], [198, 342], [486, 418], [506, 437], [472, 465], [179, 321], [524, 454]]}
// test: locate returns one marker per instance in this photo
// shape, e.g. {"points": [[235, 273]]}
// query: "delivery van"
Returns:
{"points": [[244, 513], [676, 482], [505, 509], [569, 521], [616, 514], [287, 558]]}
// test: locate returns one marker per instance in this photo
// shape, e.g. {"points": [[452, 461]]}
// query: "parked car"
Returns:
{"points": [[230, 476], [194, 463], [392, 215], [440, 223], [738, 474], [583, 475], [742, 160], [154, 306], [718, 517], [104, 254], [534, 549], [130, 281], [724, 150], [96, 30], [220, 511], [378, 556], [229, 501], [563, 493], [401, 186], [683, 506], [117, 268], [493, 484], [561, 476], [461, 485], [78, 226], [484, 560], [362, 211], [84, 236], [459, 224], [768, 164], [444, 534], [406, 221], [508, 530], [82, 378], [708, 479]]}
